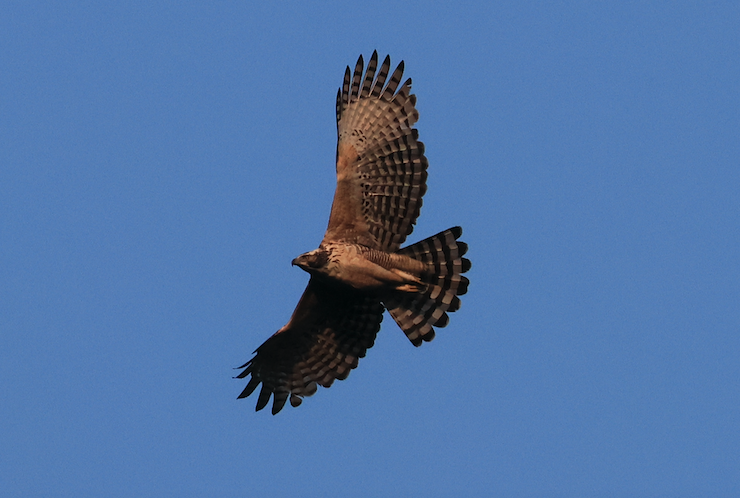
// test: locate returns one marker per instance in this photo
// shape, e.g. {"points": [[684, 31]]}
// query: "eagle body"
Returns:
{"points": [[360, 269], [363, 268]]}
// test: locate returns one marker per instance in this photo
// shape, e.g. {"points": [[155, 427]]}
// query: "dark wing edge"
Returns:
{"points": [[381, 167], [323, 341]]}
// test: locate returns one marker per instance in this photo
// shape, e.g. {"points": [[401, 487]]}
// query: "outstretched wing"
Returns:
{"points": [[329, 331], [381, 168]]}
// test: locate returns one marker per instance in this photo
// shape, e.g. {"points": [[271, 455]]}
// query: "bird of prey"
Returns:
{"points": [[360, 269]]}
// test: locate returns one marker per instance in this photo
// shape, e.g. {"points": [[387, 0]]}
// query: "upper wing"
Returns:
{"points": [[381, 168], [327, 334]]}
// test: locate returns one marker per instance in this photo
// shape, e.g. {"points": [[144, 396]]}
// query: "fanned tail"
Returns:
{"points": [[417, 313]]}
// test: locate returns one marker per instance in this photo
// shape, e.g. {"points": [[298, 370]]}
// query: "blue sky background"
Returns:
{"points": [[162, 163]]}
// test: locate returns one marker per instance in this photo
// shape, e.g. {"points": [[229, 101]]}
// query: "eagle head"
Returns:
{"points": [[312, 261]]}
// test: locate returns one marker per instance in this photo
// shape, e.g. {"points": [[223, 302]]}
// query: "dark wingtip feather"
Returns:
{"points": [[455, 304], [245, 365], [390, 89], [462, 289], [264, 397], [244, 373], [339, 106], [443, 320], [347, 78], [462, 248], [346, 88], [466, 265], [369, 75], [279, 402], [382, 75], [251, 386], [456, 232], [357, 79], [423, 186]]}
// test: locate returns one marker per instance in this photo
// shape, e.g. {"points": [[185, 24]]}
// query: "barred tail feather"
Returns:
{"points": [[417, 313]]}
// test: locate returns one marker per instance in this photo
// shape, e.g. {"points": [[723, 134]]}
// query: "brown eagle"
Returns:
{"points": [[359, 269]]}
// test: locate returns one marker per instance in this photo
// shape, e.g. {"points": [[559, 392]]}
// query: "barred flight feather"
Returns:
{"points": [[376, 120], [295, 360]]}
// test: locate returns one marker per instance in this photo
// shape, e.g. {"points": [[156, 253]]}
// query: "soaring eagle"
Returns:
{"points": [[360, 269]]}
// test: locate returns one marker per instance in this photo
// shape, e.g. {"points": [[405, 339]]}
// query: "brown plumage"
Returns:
{"points": [[359, 269]]}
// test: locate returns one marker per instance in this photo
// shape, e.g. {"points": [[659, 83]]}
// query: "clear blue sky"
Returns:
{"points": [[162, 163]]}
